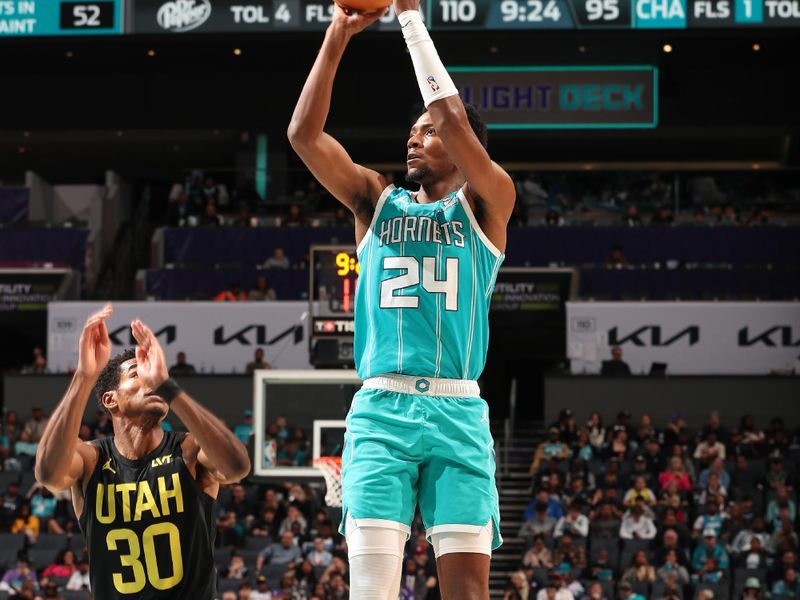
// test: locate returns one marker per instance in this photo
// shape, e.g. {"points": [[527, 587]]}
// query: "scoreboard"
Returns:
{"points": [[116, 17]]}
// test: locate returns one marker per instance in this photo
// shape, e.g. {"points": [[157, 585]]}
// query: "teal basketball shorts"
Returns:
{"points": [[414, 440]]}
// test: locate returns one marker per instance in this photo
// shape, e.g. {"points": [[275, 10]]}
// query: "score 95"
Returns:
{"points": [[603, 13], [602, 10]]}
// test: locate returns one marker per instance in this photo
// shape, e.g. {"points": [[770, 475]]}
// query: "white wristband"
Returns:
{"points": [[433, 80]]}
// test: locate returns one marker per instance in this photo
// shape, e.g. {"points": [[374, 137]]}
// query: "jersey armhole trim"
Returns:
{"points": [[378, 207], [474, 222]]}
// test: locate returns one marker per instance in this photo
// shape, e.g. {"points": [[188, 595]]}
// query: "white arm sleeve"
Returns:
{"points": [[433, 80]]}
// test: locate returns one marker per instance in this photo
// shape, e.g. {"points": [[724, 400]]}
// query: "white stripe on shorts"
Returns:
{"points": [[424, 386]]}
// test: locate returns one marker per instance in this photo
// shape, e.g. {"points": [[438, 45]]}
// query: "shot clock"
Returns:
{"points": [[333, 277]]}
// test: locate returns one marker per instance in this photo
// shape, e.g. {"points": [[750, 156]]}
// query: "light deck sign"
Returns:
{"points": [[602, 97]]}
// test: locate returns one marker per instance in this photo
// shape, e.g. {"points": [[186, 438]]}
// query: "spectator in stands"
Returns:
{"points": [[210, 218], [639, 469], [62, 567], [266, 525], [709, 449], [716, 467], [672, 571], [617, 258], [15, 577], [674, 498], [257, 363], [573, 522], [293, 518], [645, 431], [240, 505], [640, 571], [568, 552], [285, 554], [601, 568], [342, 217], [728, 216], [11, 502], [229, 531], [25, 522], [733, 524], [672, 539], [577, 491], [567, 428], [713, 489], [597, 432], [304, 580], [710, 572], [181, 367], [611, 479], [709, 548], [620, 446], [605, 522], [754, 556], [538, 556], [781, 500], [784, 537], [262, 291], [517, 587], [540, 523], [552, 218], [555, 589], [626, 592], [179, 211], [662, 216], [778, 475], [715, 425], [595, 593], [615, 367], [711, 519], [234, 294], [244, 218], [777, 438], [79, 580], [552, 447], [749, 440], [632, 218], [318, 556], [43, 506], [262, 589], [244, 430], [636, 525], [675, 431], [236, 568], [25, 446], [34, 427], [752, 589], [677, 473], [295, 218], [278, 260], [570, 582], [640, 491]]}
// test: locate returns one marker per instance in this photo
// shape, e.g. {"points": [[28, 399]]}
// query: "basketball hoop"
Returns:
{"points": [[331, 467]]}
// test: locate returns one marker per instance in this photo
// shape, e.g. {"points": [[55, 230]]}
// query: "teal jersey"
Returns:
{"points": [[423, 294]]}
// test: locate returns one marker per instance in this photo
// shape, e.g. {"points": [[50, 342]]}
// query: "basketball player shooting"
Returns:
{"points": [[144, 497], [418, 431]]}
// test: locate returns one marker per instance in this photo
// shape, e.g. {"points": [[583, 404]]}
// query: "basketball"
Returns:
{"points": [[364, 5]]}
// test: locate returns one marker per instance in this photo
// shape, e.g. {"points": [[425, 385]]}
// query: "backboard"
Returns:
{"points": [[315, 401]]}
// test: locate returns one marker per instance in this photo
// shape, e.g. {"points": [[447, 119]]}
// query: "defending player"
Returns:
{"points": [[144, 497], [418, 431]]}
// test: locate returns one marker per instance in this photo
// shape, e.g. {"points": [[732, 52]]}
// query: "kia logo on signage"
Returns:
{"points": [[183, 15], [255, 335], [782, 336], [652, 335]]}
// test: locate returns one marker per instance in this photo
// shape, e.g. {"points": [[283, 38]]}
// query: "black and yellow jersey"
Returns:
{"points": [[149, 526]]}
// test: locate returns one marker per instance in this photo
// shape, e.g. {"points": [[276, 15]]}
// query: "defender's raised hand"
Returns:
{"points": [[151, 364], [94, 348]]}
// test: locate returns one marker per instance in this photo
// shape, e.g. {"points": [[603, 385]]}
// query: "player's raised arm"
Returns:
{"points": [[485, 178], [219, 451], [325, 157], [60, 455]]}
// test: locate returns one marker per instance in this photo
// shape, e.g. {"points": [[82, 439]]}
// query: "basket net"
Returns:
{"points": [[331, 467]]}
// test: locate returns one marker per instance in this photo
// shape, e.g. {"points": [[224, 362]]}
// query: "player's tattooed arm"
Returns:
{"points": [[61, 456]]}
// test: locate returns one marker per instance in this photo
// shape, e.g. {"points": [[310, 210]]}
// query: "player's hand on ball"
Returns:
{"points": [[355, 22], [404, 5], [151, 364], [94, 348]]}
